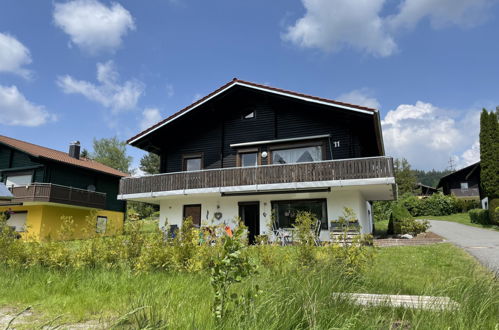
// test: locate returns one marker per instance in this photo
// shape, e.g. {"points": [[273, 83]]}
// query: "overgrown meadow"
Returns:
{"points": [[143, 280]]}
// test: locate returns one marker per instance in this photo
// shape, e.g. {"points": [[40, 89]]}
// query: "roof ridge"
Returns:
{"points": [[235, 81], [6, 139]]}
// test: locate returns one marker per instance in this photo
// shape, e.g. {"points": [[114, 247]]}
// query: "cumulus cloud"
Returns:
{"points": [[16, 110], [109, 92], [360, 97], [429, 136], [93, 26], [331, 25], [14, 56], [150, 116]]}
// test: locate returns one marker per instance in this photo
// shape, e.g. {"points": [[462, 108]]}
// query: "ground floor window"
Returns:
{"points": [[286, 211], [101, 225], [193, 211], [17, 220]]}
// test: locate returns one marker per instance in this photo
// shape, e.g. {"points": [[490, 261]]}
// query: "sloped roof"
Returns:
{"points": [[239, 82], [470, 168], [59, 156]]}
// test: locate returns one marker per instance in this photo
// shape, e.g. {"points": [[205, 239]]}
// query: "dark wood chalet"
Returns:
{"points": [[246, 140], [463, 183], [36, 173]]}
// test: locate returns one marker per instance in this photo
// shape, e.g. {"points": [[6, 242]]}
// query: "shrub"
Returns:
{"points": [[436, 204], [401, 222], [494, 211], [305, 224], [464, 205], [382, 210], [479, 216]]}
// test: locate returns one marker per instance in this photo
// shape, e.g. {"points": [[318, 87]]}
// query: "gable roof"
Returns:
{"points": [[59, 156], [470, 168], [239, 82]]}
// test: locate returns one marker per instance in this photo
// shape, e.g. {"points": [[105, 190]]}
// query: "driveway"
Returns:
{"points": [[481, 243]]}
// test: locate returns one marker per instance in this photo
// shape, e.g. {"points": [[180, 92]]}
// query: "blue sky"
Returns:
{"points": [[75, 70]]}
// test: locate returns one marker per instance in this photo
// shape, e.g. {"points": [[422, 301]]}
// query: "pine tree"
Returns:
{"points": [[489, 154], [404, 176], [149, 163]]}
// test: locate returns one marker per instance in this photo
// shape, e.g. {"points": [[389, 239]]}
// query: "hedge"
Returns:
{"points": [[479, 216], [494, 211]]}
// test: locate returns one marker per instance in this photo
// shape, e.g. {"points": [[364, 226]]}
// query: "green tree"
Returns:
{"points": [[489, 154], [149, 163], [404, 176], [84, 153], [112, 152]]}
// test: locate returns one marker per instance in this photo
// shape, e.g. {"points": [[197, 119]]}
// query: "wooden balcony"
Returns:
{"points": [[470, 192], [359, 168], [47, 192]]}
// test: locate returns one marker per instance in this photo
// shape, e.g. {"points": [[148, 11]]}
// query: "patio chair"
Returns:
{"points": [[317, 233], [280, 234]]}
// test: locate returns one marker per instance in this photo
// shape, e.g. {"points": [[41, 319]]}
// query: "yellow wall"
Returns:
{"points": [[47, 221]]}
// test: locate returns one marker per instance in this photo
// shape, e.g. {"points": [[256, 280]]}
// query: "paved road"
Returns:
{"points": [[481, 243]]}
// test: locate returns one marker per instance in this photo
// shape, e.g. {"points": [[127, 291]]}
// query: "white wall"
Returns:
{"points": [[171, 209]]}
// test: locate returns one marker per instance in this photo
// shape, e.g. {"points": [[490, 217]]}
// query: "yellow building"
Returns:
{"points": [[58, 195]]}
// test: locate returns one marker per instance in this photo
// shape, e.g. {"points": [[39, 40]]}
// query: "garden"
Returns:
{"points": [[141, 279]]}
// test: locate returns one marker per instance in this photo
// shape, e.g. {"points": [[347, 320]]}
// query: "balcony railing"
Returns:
{"points": [[358, 168], [470, 192], [47, 192]]}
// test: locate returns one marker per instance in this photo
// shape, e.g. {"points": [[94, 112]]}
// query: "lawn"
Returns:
{"points": [[289, 297], [462, 218]]}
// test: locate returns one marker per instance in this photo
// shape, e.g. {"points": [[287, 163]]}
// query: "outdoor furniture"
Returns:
{"points": [[317, 233], [280, 234]]}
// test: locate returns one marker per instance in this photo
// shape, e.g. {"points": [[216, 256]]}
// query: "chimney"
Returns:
{"points": [[74, 149]]}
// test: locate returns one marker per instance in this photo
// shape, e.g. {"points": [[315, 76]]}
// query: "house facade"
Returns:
{"points": [[463, 183], [51, 186], [263, 154]]}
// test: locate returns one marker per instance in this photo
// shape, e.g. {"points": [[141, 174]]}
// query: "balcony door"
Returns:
{"points": [[249, 212]]}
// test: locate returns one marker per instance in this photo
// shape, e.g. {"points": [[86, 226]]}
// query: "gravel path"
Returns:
{"points": [[481, 243]]}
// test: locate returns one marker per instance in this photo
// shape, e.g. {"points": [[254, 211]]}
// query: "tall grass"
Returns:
{"points": [[291, 296]]}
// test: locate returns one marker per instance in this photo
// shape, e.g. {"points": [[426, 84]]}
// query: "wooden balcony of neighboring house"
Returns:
{"points": [[53, 193], [313, 174], [470, 192]]}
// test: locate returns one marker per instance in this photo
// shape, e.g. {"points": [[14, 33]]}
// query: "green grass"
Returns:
{"points": [[462, 218], [301, 298]]}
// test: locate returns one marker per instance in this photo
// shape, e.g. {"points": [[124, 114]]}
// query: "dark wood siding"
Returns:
{"points": [[46, 171], [217, 124]]}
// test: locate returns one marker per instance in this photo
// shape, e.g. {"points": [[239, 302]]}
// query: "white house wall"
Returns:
{"points": [[171, 210]]}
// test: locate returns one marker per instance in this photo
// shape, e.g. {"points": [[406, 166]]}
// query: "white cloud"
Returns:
{"points": [[428, 136], [441, 12], [150, 116], [16, 110], [13, 56], [110, 93], [331, 25], [469, 156], [93, 26], [360, 97]]}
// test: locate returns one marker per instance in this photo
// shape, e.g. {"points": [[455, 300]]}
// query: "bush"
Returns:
{"points": [[479, 216], [494, 211], [464, 205], [401, 222], [436, 204]]}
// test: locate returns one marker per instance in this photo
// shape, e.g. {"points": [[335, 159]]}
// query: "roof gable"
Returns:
{"points": [[59, 156], [268, 89]]}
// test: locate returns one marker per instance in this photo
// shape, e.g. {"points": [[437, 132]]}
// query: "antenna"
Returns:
{"points": [[452, 164]]}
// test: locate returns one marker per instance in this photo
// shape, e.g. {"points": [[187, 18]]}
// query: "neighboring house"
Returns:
{"points": [[463, 183], [423, 190], [256, 152], [50, 186]]}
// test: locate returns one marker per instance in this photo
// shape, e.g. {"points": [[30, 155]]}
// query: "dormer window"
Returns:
{"points": [[249, 115]]}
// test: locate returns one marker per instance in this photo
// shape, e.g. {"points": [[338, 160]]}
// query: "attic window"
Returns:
{"points": [[249, 115]]}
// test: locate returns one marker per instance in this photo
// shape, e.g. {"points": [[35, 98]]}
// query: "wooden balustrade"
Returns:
{"points": [[47, 192], [359, 168]]}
